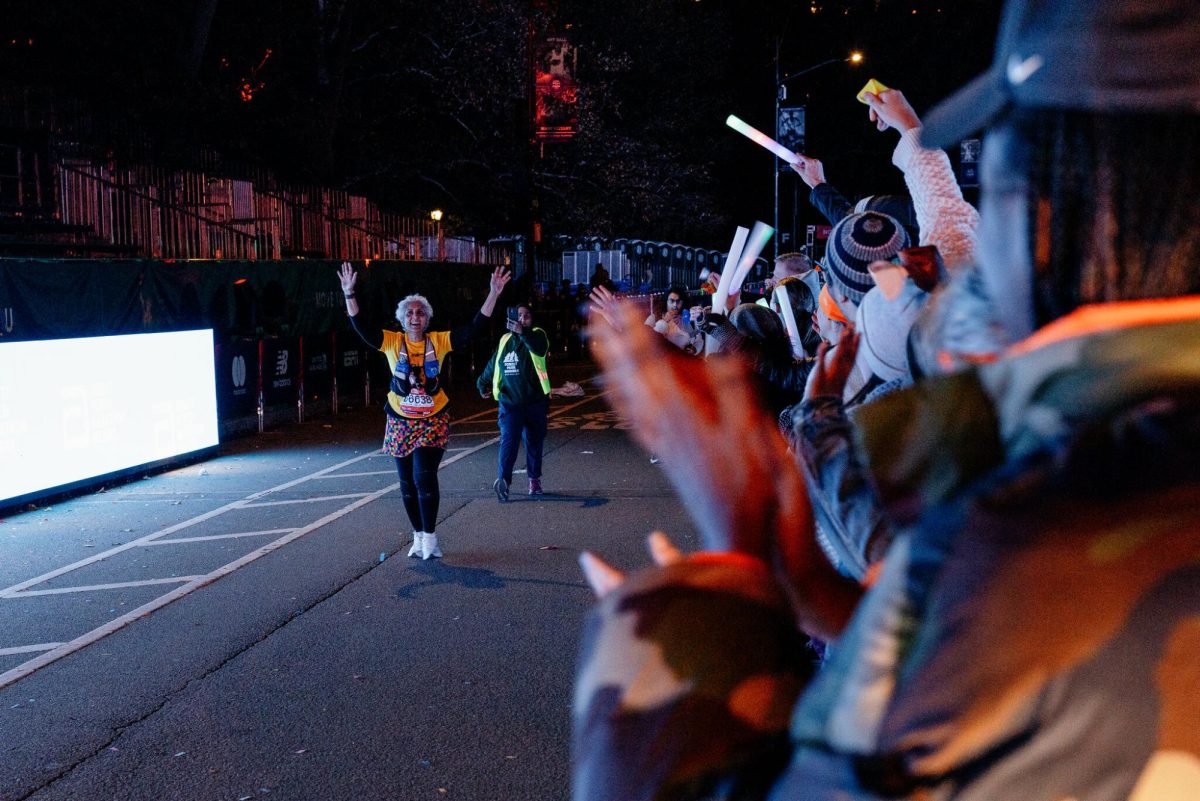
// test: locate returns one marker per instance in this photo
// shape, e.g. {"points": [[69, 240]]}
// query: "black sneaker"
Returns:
{"points": [[535, 486], [501, 488]]}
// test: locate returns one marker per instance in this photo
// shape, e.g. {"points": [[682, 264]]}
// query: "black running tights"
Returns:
{"points": [[419, 486]]}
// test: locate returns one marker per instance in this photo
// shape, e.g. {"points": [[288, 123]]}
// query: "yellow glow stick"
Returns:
{"points": [[760, 138]]}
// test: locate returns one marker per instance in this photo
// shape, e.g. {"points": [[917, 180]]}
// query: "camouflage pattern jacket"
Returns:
{"points": [[1034, 633]]}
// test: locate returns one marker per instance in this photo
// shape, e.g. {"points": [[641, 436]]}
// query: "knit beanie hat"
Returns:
{"points": [[854, 243], [899, 207]]}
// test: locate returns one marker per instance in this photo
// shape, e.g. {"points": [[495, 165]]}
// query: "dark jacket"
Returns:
{"points": [[519, 384]]}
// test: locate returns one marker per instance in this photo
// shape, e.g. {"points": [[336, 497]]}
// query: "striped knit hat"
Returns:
{"points": [[854, 243]]}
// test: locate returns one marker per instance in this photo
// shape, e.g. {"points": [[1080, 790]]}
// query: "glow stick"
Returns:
{"points": [[760, 138], [731, 261], [789, 321], [759, 238]]}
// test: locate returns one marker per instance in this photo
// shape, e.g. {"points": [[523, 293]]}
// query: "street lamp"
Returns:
{"points": [[436, 216], [855, 58]]}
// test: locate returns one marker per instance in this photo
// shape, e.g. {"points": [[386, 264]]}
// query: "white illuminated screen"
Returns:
{"points": [[75, 409]]}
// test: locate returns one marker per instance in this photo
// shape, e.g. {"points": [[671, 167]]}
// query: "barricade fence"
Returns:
{"points": [[263, 383], [154, 212], [284, 345]]}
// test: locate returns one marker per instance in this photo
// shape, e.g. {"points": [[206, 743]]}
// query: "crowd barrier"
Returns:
{"points": [[261, 383]]}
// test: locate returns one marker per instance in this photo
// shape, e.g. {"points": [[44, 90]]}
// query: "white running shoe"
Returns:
{"points": [[429, 547], [418, 539]]}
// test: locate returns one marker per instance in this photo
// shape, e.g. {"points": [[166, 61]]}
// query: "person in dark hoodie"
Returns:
{"points": [[517, 379]]}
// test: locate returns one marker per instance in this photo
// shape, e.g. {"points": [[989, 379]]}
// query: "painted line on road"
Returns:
{"points": [[7, 591], [359, 475], [473, 417], [209, 537], [99, 633], [292, 501], [29, 649], [496, 439], [84, 640], [120, 585]]}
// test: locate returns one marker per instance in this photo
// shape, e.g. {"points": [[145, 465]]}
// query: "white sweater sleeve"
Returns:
{"points": [[945, 219]]}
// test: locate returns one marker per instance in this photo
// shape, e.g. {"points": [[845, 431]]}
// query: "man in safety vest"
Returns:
{"points": [[516, 377]]}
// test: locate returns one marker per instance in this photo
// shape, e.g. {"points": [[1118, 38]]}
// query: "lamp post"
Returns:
{"points": [[854, 58], [436, 216]]}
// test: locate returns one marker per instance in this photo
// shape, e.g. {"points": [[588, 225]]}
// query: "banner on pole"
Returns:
{"points": [[556, 118], [789, 128]]}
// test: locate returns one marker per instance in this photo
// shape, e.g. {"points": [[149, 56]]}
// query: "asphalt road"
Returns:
{"points": [[249, 627]]}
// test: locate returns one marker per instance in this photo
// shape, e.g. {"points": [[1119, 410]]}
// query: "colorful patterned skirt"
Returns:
{"points": [[404, 434]]}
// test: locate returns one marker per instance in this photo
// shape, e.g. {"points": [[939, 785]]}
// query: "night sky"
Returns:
{"points": [[423, 105]]}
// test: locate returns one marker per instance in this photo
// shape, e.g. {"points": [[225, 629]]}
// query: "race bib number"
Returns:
{"points": [[416, 404]]}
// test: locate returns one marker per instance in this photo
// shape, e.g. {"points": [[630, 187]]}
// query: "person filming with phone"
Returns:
{"points": [[517, 379]]}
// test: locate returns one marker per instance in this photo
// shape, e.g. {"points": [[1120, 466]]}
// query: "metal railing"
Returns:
{"points": [[199, 212], [162, 213], [124, 212]]}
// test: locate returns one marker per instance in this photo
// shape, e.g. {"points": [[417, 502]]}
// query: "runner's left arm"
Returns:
{"points": [[374, 340]]}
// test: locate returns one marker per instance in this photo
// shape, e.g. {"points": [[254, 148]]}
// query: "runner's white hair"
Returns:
{"points": [[421, 299]]}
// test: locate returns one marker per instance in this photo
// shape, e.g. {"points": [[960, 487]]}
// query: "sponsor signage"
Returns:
{"points": [[237, 378], [318, 367], [281, 371]]}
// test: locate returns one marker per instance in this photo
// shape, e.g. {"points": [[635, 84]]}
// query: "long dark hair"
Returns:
{"points": [[1114, 207]]}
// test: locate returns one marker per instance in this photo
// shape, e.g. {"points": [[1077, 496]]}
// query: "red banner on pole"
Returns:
{"points": [[556, 118]]}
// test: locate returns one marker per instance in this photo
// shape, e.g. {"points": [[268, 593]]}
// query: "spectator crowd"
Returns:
{"points": [[950, 525]]}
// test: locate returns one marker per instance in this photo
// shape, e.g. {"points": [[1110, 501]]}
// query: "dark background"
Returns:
{"points": [[424, 105]]}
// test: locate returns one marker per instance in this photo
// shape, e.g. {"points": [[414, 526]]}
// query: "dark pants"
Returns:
{"points": [[419, 486], [522, 423]]}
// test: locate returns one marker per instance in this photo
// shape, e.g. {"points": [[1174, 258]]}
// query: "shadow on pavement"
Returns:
{"points": [[472, 578], [588, 502]]}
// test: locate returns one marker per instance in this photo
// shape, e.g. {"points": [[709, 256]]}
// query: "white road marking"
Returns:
{"points": [[358, 475], [292, 501], [471, 417], [29, 649], [86, 639], [465, 453], [8, 591], [97, 587], [194, 583], [209, 537]]}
